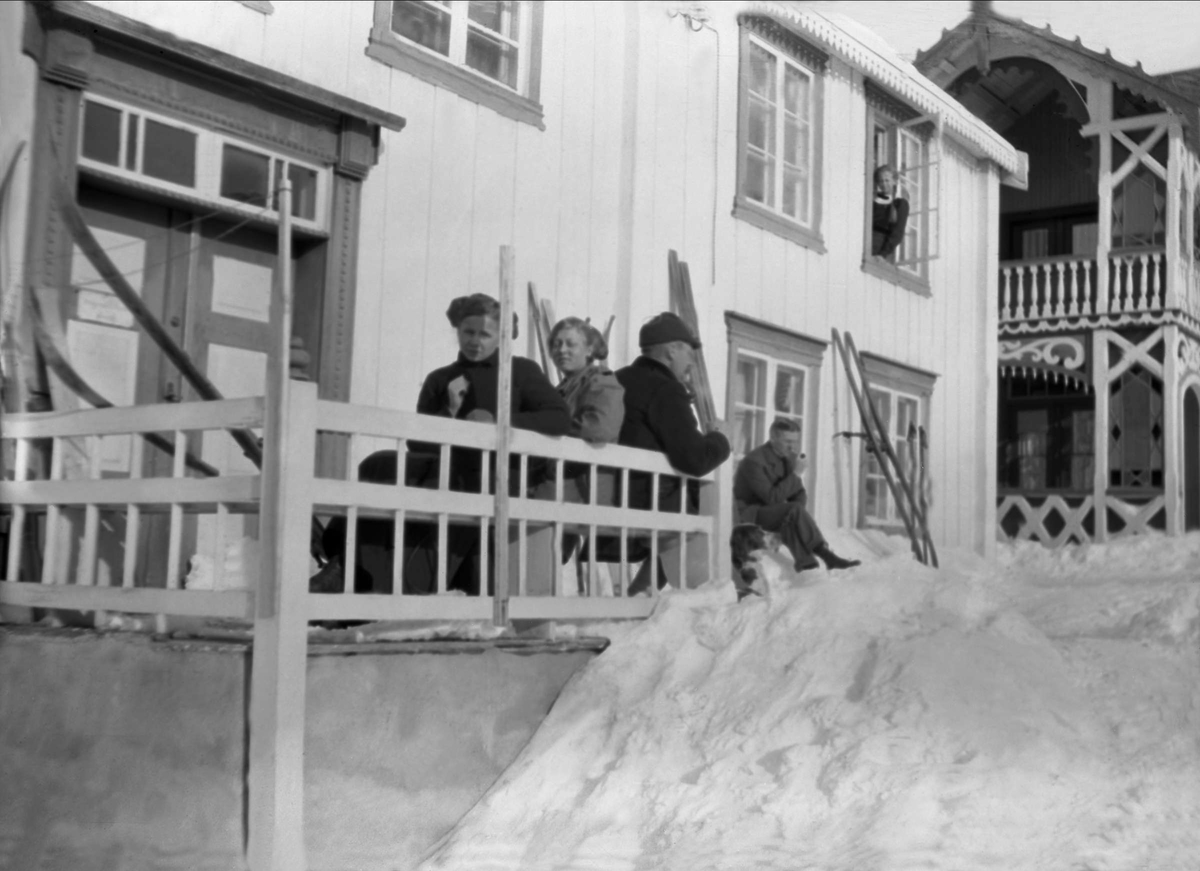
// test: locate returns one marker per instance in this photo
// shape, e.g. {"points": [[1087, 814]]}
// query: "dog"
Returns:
{"points": [[748, 543]]}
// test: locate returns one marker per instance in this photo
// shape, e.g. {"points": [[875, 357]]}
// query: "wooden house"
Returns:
{"points": [[1099, 409], [418, 138], [592, 138]]}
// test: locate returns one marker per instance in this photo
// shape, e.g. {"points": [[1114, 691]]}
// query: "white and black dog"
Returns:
{"points": [[749, 543]]}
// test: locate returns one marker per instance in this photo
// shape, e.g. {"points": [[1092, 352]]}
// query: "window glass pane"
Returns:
{"points": [[795, 195], [169, 153], [101, 133], [795, 92], [501, 17], [304, 192], [424, 23], [131, 142], [789, 391], [493, 57], [760, 125], [762, 73], [245, 175], [752, 381]]}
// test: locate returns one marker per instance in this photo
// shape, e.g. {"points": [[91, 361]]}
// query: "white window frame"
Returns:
{"points": [[899, 383], [209, 150], [775, 347], [871, 471], [766, 413], [916, 157], [804, 229], [450, 70], [461, 24]]}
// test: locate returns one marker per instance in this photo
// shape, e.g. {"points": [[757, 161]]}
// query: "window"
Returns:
{"points": [[131, 144], [487, 52], [1046, 434], [906, 142], [779, 124], [902, 396], [775, 374], [765, 389]]}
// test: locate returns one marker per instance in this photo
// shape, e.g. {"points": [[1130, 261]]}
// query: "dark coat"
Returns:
{"points": [[536, 405], [659, 417], [888, 222], [765, 478]]}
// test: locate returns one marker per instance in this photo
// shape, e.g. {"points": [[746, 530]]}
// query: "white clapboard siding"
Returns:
{"points": [[638, 155]]}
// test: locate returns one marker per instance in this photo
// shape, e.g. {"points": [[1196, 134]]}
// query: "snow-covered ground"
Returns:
{"points": [[1034, 713]]}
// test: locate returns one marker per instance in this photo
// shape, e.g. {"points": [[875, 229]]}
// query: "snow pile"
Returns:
{"points": [[1038, 712]]}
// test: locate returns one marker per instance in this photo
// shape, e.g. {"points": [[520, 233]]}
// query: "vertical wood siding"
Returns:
{"points": [[638, 156]]}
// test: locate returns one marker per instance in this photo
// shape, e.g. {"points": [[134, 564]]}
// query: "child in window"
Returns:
{"points": [[889, 214]]}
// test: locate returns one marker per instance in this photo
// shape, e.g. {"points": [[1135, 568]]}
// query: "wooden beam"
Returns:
{"points": [[1138, 123]]}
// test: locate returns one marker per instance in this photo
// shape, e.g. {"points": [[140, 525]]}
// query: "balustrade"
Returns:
{"points": [[1050, 288]]}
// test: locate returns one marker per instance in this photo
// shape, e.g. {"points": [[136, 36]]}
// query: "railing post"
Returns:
{"points": [[279, 663], [1172, 429], [1100, 436], [503, 436]]}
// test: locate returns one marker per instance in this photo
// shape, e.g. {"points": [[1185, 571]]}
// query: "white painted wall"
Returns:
{"points": [[638, 156]]}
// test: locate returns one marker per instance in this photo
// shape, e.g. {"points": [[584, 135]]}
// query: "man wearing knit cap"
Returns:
{"points": [[658, 406], [659, 417]]}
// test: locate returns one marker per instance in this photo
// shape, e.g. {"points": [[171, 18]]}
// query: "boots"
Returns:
{"points": [[833, 561]]}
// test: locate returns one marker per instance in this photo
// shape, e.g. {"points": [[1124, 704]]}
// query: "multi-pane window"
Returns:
{"points": [[911, 156], [133, 144], [777, 151], [780, 86], [491, 38], [902, 416], [902, 396], [765, 389]]}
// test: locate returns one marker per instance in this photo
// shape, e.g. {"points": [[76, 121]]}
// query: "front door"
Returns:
{"points": [[208, 280]]}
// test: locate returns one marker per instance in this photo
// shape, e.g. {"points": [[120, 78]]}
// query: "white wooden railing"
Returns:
{"points": [[1047, 288], [73, 512], [75, 509]]}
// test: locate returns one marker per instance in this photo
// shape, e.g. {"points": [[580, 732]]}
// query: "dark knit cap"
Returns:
{"points": [[666, 327]]}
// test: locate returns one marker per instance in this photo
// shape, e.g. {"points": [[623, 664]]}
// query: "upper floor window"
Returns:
{"points": [[186, 160], [902, 184], [487, 52], [779, 127]]}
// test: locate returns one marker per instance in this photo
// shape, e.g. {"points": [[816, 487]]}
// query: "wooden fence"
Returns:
{"points": [[85, 538]]}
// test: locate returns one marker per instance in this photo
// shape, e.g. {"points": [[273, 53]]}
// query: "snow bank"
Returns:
{"points": [[1039, 712]]}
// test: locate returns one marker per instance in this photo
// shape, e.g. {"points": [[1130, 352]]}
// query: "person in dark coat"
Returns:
{"points": [[769, 491], [659, 417], [467, 389], [889, 214]]}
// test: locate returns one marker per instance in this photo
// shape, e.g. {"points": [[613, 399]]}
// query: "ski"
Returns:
{"points": [[925, 541], [877, 441]]}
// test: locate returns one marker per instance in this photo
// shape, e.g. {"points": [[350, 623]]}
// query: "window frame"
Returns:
{"points": [[521, 104], [788, 49], [901, 121], [758, 340], [210, 146], [898, 380]]}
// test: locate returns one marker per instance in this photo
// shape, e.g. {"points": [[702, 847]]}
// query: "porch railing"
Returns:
{"points": [[91, 528], [1058, 518], [1047, 288], [76, 542]]}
